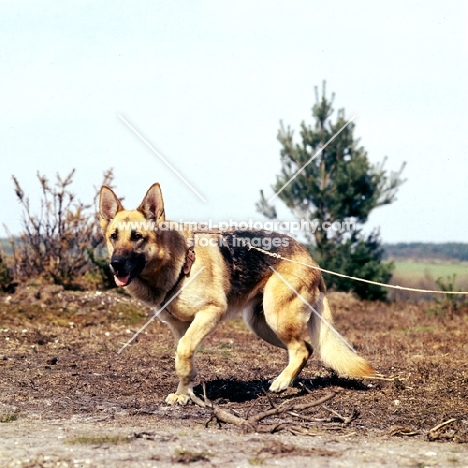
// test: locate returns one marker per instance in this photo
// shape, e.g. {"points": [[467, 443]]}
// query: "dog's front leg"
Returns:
{"points": [[204, 323], [178, 327]]}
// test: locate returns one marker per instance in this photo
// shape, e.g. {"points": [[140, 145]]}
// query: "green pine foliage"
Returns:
{"points": [[361, 257], [327, 176]]}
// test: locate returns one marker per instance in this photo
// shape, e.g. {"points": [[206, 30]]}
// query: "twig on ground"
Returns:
{"points": [[318, 402], [378, 377], [275, 411], [403, 431], [434, 433], [441, 425], [227, 417], [272, 428], [205, 398], [220, 414], [250, 408], [198, 401], [307, 418], [252, 423], [304, 387], [272, 404], [344, 419]]}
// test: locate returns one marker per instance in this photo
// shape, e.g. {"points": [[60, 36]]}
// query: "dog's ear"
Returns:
{"points": [[109, 206], [152, 205]]}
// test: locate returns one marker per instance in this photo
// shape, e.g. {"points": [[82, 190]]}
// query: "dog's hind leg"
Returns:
{"points": [[255, 319], [287, 316]]}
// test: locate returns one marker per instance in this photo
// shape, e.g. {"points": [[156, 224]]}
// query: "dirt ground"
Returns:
{"points": [[68, 399]]}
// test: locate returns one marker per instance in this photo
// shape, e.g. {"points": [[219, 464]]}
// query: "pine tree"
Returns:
{"points": [[327, 177]]}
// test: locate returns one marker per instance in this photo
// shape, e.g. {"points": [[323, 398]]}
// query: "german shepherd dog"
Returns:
{"points": [[282, 302]]}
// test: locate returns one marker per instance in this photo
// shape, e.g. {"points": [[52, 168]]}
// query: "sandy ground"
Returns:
{"points": [[68, 443]]}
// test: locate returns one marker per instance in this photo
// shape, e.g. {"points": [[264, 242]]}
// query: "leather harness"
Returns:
{"points": [[189, 261]]}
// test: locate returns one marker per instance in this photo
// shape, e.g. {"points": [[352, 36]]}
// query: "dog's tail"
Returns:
{"points": [[333, 349]]}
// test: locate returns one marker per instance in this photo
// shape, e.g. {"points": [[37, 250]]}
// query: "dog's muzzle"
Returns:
{"points": [[126, 267]]}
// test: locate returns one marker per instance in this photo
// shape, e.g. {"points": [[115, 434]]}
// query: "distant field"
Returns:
{"points": [[432, 268], [423, 275]]}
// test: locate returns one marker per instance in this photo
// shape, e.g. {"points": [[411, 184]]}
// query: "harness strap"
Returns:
{"points": [[185, 271], [189, 260]]}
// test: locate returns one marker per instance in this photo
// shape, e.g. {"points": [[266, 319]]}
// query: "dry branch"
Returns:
{"points": [[441, 425], [275, 411], [436, 434], [344, 419], [252, 423]]}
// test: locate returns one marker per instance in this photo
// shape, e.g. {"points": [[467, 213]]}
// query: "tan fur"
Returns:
{"points": [[334, 352], [150, 261]]}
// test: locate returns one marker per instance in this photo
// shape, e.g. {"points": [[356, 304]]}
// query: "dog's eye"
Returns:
{"points": [[114, 236], [136, 236]]}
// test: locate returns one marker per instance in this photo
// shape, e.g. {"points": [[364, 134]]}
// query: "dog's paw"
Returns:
{"points": [[177, 399], [279, 385]]}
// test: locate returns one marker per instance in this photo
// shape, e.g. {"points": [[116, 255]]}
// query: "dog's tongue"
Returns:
{"points": [[121, 280]]}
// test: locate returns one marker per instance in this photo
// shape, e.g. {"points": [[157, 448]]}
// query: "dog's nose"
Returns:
{"points": [[117, 264]]}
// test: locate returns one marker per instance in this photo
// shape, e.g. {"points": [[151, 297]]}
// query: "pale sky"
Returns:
{"points": [[207, 83]]}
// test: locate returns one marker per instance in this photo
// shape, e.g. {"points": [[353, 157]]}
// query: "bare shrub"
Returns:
{"points": [[62, 243], [7, 283]]}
